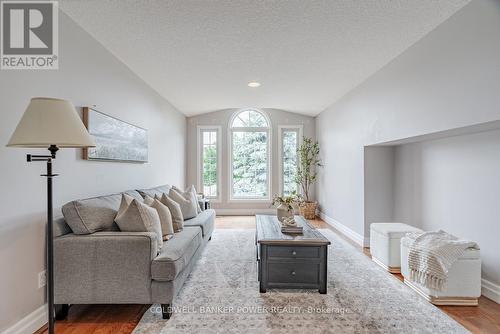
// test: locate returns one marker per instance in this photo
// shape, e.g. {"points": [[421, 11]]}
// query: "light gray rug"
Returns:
{"points": [[222, 296]]}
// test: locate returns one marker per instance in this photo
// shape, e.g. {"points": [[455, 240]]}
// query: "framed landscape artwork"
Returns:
{"points": [[115, 140]]}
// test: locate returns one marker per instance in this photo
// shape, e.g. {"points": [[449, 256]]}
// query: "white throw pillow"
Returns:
{"points": [[187, 201], [191, 189]]}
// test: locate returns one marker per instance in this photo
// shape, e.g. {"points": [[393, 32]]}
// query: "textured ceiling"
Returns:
{"points": [[200, 55]]}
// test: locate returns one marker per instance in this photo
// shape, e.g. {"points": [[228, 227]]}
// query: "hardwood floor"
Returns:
{"points": [[103, 319], [111, 319]]}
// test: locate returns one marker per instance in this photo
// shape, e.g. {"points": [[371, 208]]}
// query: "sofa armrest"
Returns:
{"points": [[104, 267]]}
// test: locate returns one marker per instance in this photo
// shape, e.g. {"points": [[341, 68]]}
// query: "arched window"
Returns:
{"points": [[249, 169]]}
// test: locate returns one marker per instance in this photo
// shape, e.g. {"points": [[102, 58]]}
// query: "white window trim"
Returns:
{"points": [[230, 157], [281, 129], [199, 164]]}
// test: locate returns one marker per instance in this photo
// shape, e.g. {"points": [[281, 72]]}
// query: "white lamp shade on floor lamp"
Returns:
{"points": [[49, 121]]}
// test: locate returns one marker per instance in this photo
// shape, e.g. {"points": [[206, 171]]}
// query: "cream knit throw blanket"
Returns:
{"points": [[431, 256]]}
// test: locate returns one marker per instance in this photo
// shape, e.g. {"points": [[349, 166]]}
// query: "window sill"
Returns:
{"points": [[214, 200], [249, 200]]}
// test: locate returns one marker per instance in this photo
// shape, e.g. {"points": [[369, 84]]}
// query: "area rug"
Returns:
{"points": [[222, 296]]}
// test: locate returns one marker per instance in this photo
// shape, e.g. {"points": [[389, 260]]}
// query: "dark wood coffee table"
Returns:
{"points": [[297, 261]]}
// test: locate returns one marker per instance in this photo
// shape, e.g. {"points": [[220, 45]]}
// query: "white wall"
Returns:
{"points": [[453, 184], [221, 118], [379, 185], [449, 79], [88, 75]]}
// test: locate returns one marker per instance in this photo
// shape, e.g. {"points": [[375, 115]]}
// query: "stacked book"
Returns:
{"points": [[292, 229]]}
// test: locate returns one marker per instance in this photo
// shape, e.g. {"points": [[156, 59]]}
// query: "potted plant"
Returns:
{"points": [[284, 205], [306, 175]]}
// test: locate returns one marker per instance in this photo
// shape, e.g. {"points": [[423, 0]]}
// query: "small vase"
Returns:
{"points": [[282, 211]]}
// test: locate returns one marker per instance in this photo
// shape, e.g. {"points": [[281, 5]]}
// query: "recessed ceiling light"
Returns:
{"points": [[254, 84]]}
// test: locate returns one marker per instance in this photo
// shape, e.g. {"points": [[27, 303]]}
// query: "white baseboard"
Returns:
{"points": [[354, 236], [490, 290], [30, 323], [243, 212]]}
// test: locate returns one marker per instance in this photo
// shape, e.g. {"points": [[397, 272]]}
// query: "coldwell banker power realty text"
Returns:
{"points": [[29, 35]]}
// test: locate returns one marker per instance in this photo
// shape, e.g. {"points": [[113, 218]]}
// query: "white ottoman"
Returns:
{"points": [[385, 244], [464, 279]]}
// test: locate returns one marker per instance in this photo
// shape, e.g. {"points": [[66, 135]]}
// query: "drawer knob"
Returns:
{"points": [[294, 253], [293, 273]]}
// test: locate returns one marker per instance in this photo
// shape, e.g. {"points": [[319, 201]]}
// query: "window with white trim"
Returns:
{"points": [[209, 161], [290, 139], [249, 170]]}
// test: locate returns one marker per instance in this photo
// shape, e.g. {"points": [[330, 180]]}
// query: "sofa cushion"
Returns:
{"points": [[205, 220], [86, 216], [152, 192], [176, 254], [61, 227]]}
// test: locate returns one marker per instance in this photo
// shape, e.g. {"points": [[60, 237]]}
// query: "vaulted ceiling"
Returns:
{"points": [[307, 54]]}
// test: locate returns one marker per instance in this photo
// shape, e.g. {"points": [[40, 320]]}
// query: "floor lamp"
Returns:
{"points": [[53, 124]]}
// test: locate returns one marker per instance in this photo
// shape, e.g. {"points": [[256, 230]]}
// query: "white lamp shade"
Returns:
{"points": [[49, 121]]}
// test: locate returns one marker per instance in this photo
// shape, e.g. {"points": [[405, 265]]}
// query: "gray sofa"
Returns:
{"points": [[95, 263]]}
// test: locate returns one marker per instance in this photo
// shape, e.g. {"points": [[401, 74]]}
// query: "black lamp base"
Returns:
{"points": [[50, 222]]}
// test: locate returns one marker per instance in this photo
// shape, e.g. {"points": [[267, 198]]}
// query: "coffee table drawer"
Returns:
{"points": [[293, 273], [293, 252]]}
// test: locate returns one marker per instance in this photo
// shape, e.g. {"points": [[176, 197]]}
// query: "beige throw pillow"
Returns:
{"points": [[187, 201], [138, 217], [125, 202], [148, 200], [167, 227], [175, 210]]}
